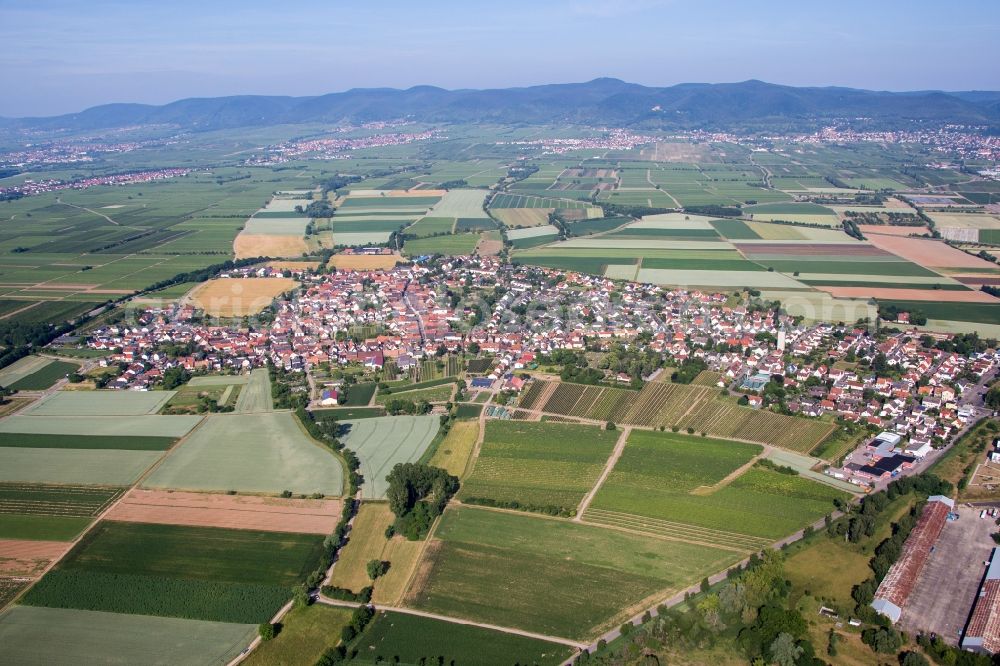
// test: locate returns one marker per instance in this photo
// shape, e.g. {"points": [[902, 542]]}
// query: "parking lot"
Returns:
{"points": [[944, 594]]}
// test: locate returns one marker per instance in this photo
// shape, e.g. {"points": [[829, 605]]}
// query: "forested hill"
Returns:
{"points": [[746, 105]]}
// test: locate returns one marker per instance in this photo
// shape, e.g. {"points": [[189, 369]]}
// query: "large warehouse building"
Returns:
{"points": [[983, 632], [897, 585]]}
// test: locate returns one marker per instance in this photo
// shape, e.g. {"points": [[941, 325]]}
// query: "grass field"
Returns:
{"points": [[539, 466], [359, 395], [368, 542], [263, 452], [44, 636], [548, 575], [438, 392], [380, 443], [681, 480], [238, 297], [417, 640], [306, 631], [454, 452]]}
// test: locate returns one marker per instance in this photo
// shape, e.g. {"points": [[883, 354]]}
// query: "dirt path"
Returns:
{"points": [[608, 466], [649, 179], [20, 310], [92, 212], [454, 620], [732, 476]]}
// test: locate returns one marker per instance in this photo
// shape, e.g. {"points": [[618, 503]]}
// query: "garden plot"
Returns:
{"points": [[43, 636], [256, 453], [382, 442]]}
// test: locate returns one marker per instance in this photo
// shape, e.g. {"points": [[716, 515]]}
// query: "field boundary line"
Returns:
{"points": [[664, 537], [455, 620], [609, 465]]}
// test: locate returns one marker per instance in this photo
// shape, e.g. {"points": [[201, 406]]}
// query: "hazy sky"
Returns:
{"points": [[63, 56]]}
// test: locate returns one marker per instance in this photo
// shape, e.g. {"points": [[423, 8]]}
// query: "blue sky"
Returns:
{"points": [[63, 56]]}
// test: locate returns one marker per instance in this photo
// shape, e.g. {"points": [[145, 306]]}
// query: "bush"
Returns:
{"points": [[266, 631]]}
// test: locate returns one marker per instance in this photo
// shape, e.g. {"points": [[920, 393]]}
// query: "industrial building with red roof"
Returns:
{"points": [[983, 632], [898, 583]]}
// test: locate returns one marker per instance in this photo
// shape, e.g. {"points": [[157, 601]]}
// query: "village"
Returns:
{"points": [[903, 388]]}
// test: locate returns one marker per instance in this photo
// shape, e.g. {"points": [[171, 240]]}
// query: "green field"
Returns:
{"points": [[100, 403], [107, 467], [438, 392], [456, 244], [679, 481], [980, 313], [429, 226], [417, 640], [381, 443], [348, 413], [196, 553], [45, 377], [45, 636], [256, 395], [192, 572], [45, 441], [104, 426], [539, 466], [264, 453], [41, 527], [359, 395], [552, 576], [62, 500]]}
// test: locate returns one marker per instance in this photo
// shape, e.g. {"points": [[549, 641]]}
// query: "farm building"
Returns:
{"points": [[886, 467], [983, 632], [897, 585], [481, 382]]}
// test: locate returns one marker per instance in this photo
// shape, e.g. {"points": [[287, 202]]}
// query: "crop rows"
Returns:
{"points": [[788, 432], [534, 392], [661, 404], [675, 530], [69, 501], [564, 399]]}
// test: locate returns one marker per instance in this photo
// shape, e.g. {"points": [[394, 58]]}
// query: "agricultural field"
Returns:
{"points": [[255, 397], [461, 204], [364, 262], [698, 489], [249, 512], [197, 573], [100, 403], [454, 452], [416, 393], [546, 467], [413, 640], [721, 418], [42, 377], [107, 467], [809, 213], [530, 201], [239, 297], [191, 398], [382, 442], [516, 218], [590, 402], [56, 636], [306, 632], [430, 226], [454, 244], [548, 575], [250, 452], [368, 542]]}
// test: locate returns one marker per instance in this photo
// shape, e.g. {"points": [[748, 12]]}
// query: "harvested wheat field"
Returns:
{"points": [[248, 246], [887, 230], [969, 296], [238, 297], [488, 246], [244, 512], [293, 265], [21, 557], [523, 217], [364, 262], [927, 252]]}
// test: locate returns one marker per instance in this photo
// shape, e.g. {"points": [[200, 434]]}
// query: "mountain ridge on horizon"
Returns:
{"points": [[602, 100]]}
